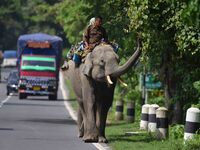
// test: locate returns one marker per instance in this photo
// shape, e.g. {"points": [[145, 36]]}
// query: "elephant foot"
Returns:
{"points": [[80, 134], [102, 139], [90, 138]]}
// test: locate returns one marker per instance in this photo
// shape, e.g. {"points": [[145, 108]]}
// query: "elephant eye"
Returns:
{"points": [[101, 62]]}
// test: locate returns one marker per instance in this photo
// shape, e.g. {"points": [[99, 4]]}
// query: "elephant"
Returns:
{"points": [[93, 83]]}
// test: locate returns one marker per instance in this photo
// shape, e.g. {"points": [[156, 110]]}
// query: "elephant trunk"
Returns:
{"points": [[124, 68]]}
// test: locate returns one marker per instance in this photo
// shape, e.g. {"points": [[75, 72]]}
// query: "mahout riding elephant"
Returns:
{"points": [[93, 82]]}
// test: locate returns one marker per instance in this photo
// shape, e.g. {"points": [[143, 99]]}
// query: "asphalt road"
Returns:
{"points": [[37, 124]]}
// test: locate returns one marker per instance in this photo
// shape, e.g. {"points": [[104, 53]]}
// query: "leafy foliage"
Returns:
{"points": [[177, 132], [193, 144], [170, 43], [72, 16], [169, 31]]}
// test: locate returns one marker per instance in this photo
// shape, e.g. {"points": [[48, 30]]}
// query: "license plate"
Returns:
{"points": [[36, 88]]}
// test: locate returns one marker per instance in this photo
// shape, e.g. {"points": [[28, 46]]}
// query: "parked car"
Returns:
{"points": [[9, 58], [12, 82]]}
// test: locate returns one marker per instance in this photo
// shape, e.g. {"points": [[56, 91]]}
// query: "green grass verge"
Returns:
{"points": [[116, 133], [119, 137], [72, 97]]}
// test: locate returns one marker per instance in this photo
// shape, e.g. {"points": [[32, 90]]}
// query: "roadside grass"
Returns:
{"points": [[72, 97], [127, 136]]}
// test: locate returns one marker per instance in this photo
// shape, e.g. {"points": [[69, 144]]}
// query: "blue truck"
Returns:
{"points": [[39, 57], [9, 58]]}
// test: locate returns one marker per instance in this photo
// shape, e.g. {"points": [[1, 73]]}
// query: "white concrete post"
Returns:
{"points": [[144, 117], [119, 110], [152, 118], [130, 112], [192, 122], [162, 123]]}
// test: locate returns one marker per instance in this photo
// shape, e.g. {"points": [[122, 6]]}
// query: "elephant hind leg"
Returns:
{"points": [[81, 130], [80, 124]]}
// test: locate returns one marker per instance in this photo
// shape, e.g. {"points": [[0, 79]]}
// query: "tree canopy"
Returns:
{"points": [[170, 33]]}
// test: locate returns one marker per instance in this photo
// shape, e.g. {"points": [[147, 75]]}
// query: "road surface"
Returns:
{"points": [[36, 123]]}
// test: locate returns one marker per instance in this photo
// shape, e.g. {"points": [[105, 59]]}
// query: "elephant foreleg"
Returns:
{"points": [[102, 111], [90, 129]]}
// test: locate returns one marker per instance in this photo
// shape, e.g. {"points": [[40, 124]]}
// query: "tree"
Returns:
{"points": [[170, 47], [22, 17]]}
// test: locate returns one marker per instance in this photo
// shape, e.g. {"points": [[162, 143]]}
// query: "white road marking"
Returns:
{"points": [[5, 100], [72, 113]]}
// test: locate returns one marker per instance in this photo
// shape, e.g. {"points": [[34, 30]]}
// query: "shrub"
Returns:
{"points": [[193, 144], [177, 131]]}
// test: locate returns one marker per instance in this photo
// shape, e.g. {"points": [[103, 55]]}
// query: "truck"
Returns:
{"points": [[9, 58], [38, 62]]}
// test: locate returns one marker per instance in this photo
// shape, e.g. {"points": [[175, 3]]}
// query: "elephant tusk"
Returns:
{"points": [[109, 79], [122, 82]]}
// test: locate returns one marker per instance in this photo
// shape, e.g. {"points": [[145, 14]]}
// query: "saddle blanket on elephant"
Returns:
{"points": [[78, 52]]}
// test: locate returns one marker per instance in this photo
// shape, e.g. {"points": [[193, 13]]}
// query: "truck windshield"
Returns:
{"points": [[38, 63], [10, 54]]}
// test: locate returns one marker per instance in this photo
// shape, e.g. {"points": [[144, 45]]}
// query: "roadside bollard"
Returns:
{"points": [[130, 112], [152, 118], [162, 123], [192, 124], [144, 117], [119, 110]]}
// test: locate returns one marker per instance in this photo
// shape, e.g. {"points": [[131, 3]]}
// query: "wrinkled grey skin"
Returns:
{"points": [[94, 94]]}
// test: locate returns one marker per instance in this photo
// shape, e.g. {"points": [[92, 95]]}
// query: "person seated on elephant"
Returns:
{"points": [[94, 35], [70, 53], [92, 21], [80, 45]]}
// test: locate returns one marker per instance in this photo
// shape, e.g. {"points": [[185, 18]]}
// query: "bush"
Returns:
{"points": [[157, 100], [196, 106], [193, 144], [177, 131]]}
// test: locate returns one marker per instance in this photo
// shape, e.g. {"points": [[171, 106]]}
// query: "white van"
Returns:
{"points": [[9, 58]]}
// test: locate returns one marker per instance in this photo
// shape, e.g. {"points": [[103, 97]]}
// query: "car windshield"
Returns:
{"points": [[13, 77], [38, 63]]}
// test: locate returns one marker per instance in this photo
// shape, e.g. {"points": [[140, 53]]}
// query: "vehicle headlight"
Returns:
{"points": [[14, 86]]}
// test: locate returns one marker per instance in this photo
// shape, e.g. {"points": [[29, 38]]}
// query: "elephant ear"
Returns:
{"points": [[87, 66]]}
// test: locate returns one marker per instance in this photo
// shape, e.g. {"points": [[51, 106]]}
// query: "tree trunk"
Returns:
{"points": [[177, 117], [170, 83]]}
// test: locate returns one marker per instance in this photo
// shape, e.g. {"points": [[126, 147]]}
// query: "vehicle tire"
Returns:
{"points": [[8, 91], [22, 95], [53, 97]]}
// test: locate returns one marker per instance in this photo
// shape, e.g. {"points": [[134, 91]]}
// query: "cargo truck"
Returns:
{"points": [[9, 58], [38, 63]]}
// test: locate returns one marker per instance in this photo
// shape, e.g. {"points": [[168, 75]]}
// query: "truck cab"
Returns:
{"points": [[9, 58], [39, 58], [38, 76]]}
